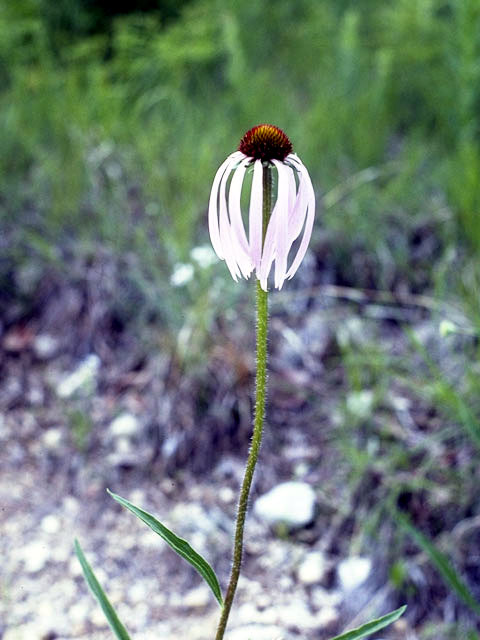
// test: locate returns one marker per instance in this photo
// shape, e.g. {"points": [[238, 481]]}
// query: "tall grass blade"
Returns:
{"points": [[117, 627], [441, 562]]}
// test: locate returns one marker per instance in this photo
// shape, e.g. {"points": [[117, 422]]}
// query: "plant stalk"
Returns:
{"points": [[260, 396]]}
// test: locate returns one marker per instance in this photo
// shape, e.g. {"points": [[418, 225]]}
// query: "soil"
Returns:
{"points": [[183, 462]]}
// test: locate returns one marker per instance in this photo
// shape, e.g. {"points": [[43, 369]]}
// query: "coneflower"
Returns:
{"points": [[267, 150]]}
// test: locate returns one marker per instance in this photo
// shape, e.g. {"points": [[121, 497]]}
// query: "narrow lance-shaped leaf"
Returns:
{"points": [[441, 562], [372, 626], [179, 545], [117, 627]]}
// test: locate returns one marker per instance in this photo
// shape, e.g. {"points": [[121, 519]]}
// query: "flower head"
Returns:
{"points": [[264, 149]]}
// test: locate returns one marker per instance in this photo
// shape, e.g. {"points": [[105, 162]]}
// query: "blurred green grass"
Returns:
{"points": [[114, 136]]}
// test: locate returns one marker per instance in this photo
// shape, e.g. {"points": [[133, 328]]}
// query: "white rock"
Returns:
{"points": [[296, 615], [124, 426], [52, 438], [226, 494], [82, 379], [35, 556], [50, 524], [182, 274], [289, 503], [137, 592], [360, 403], [45, 346], [255, 632], [312, 569], [353, 572], [204, 256], [197, 598], [327, 617], [21, 632], [321, 598]]}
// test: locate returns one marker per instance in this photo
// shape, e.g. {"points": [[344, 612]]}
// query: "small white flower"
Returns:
{"points": [[182, 274], [293, 210], [203, 256]]}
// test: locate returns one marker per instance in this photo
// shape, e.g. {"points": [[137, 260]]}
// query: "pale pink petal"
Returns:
{"points": [[213, 203], [225, 232], [255, 223], [292, 193], [310, 215], [296, 217], [268, 253], [281, 223], [238, 236]]}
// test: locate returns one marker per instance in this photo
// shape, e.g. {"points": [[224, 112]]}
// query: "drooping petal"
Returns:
{"points": [[225, 231], [281, 223], [268, 253], [213, 203], [255, 223], [310, 215], [296, 216], [238, 235], [292, 194]]}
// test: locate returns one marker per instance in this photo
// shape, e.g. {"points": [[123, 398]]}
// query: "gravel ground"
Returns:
{"points": [[82, 411]]}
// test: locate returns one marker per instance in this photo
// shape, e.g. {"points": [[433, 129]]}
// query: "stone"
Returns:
{"points": [[256, 632], [204, 256], [125, 425], [296, 615], [290, 503], [182, 274], [52, 439], [50, 524], [313, 568], [353, 572], [35, 556], [45, 346], [197, 598], [360, 403], [321, 598], [82, 380], [327, 617]]}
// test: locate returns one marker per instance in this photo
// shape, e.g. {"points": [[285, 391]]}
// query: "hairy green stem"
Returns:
{"points": [[260, 396]]}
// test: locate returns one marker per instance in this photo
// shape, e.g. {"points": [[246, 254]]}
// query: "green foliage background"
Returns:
{"points": [[112, 126]]}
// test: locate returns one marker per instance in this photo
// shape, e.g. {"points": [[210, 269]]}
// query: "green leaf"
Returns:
{"points": [[117, 627], [179, 545], [441, 562], [372, 626]]}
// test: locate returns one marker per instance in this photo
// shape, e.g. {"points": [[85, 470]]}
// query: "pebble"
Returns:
{"points": [[35, 556], [360, 403], [289, 503], [83, 379], [296, 615], [327, 617], [353, 572], [45, 346], [126, 425], [50, 524], [198, 598], [256, 632], [321, 598], [52, 438], [313, 568]]}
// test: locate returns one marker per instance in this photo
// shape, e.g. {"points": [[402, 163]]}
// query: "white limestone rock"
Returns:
{"points": [[353, 572], [290, 503]]}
